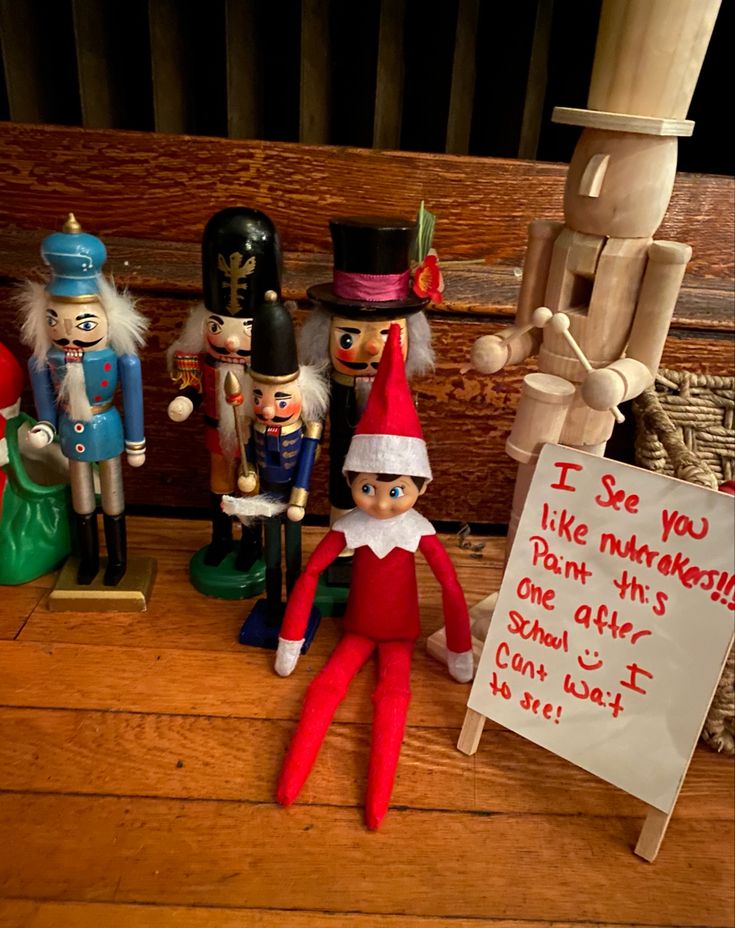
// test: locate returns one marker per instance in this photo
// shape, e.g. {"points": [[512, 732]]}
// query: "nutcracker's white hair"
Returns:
{"points": [[314, 388], [314, 341], [32, 301], [192, 339], [126, 325]]}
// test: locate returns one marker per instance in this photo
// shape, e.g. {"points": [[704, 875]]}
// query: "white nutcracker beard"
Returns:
{"points": [[73, 392], [226, 413]]}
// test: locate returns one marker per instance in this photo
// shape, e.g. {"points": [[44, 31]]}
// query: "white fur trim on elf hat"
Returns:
{"points": [[388, 454]]}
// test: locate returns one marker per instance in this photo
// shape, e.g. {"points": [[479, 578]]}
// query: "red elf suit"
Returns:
{"points": [[382, 610]]}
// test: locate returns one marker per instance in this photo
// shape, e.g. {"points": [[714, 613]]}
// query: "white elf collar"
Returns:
{"points": [[382, 535]]}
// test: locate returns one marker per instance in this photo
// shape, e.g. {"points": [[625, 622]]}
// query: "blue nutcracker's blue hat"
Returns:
{"points": [[75, 258]]}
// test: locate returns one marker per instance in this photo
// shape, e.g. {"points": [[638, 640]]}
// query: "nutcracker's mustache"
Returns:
{"points": [[78, 343], [241, 352], [355, 365], [274, 418]]}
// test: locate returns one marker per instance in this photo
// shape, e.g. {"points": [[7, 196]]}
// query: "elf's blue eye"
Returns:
{"points": [[396, 492], [345, 341], [368, 489]]}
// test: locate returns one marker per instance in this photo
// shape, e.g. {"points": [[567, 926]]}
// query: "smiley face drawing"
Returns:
{"points": [[590, 656]]}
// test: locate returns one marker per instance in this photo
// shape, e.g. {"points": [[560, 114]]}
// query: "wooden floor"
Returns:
{"points": [[139, 753]]}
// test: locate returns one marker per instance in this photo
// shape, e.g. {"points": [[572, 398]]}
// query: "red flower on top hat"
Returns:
{"points": [[427, 278]]}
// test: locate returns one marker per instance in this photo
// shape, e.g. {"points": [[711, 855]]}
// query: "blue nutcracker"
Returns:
{"points": [[287, 404], [85, 337]]}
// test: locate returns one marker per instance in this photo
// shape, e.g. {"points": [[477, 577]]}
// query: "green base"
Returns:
{"points": [[224, 581], [331, 600]]}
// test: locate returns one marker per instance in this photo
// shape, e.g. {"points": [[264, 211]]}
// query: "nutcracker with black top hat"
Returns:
{"points": [[374, 284], [387, 469], [241, 260], [85, 338], [287, 404]]}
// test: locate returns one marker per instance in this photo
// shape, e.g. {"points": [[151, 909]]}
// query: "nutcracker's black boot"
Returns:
{"points": [[221, 543], [88, 547], [251, 547], [273, 577], [117, 548]]}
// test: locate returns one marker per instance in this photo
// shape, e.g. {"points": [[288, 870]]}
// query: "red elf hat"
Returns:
{"points": [[388, 438]]}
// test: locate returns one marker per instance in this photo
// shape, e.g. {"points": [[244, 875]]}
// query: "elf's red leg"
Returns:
{"points": [[391, 698], [325, 693]]}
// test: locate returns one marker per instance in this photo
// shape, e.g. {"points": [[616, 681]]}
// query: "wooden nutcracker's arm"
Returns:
{"points": [[514, 344], [628, 377]]}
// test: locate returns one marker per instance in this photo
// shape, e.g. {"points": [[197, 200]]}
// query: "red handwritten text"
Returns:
{"points": [[561, 523], [534, 631], [560, 566], [618, 499], [602, 698], [632, 683], [605, 619], [681, 525], [505, 658], [536, 594], [499, 687], [546, 710], [565, 467]]}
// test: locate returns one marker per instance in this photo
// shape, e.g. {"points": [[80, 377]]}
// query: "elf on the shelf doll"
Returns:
{"points": [[387, 468]]}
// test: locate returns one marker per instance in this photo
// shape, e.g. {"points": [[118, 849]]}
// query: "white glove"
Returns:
{"points": [[287, 656], [180, 409], [461, 665], [41, 435]]}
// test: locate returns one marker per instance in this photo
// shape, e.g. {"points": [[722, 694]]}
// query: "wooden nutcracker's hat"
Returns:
{"points": [[647, 61]]}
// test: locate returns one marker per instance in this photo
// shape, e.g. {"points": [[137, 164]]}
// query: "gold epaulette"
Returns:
{"points": [[187, 371]]}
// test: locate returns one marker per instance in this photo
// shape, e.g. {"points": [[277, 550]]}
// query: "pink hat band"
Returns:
{"points": [[372, 288]]}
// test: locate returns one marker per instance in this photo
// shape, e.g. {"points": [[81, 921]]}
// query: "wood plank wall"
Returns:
{"points": [[463, 76], [149, 196]]}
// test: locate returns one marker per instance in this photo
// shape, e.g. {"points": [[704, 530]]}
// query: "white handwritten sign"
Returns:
{"points": [[613, 621]]}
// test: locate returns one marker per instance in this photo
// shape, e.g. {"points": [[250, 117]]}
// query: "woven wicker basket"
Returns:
{"points": [[684, 428]]}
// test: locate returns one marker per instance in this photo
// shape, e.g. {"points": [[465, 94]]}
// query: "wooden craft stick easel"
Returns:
{"points": [[656, 822]]}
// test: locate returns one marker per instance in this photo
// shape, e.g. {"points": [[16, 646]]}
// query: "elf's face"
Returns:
{"points": [[77, 325], [356, 345], [277, 404], [384, 499], [228, 339]]}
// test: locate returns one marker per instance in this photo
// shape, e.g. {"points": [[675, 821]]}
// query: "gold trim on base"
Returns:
{"points": [[130, 595]]}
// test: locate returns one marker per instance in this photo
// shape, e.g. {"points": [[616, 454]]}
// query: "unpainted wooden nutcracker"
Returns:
{"points": [[610, 287]]}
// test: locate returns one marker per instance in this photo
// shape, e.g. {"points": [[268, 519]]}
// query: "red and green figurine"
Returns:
{"points": [[386, 469]]}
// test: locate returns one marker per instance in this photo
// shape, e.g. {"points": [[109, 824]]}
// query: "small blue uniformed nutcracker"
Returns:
{"points": [[288, 404], [85, 336]]}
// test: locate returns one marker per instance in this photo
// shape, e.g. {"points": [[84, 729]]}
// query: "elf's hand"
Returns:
{"points": [[461, 665], [287, 656]]}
